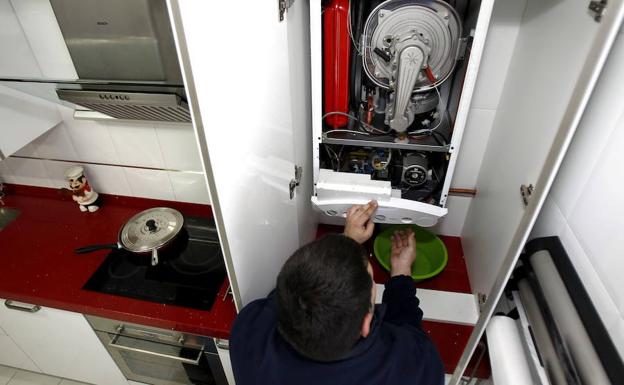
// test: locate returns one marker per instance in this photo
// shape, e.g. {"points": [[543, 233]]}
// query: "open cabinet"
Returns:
{"points": [[255, 86], [391, 88]]}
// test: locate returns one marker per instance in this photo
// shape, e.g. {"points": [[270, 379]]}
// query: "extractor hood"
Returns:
{"points": [[125, 57]]}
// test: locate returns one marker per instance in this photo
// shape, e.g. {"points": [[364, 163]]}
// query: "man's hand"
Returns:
{"points": [[403, 253], [359, 226]]}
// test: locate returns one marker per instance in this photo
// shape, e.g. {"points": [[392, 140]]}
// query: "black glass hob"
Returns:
{"points": [[189, 273]]}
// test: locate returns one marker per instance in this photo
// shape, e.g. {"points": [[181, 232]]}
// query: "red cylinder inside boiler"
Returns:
{"points": [[336, 61]]}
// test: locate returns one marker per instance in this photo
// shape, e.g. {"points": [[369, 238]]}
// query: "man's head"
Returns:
{"points": [[325, 297]]}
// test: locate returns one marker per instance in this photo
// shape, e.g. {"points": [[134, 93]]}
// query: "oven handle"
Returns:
{"points": [[114, 344]]}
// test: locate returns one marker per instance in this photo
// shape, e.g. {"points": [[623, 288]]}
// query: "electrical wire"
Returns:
{"points": [[350, 29], [347, 131], [428, 131], [328, 149], [331, 160], [368, 126]]}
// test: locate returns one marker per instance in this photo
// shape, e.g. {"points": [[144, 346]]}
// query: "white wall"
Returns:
{"points": [[586, 205], [159, 161], [499, 45]]}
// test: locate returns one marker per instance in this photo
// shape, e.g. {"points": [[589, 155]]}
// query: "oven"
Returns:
{"points": [[160, 357]]}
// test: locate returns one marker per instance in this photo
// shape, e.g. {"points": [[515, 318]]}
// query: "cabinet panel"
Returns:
{"points": [[241, 102], [552, 47], [12, 355], [224, 355], [543, 101], [61, 344]]}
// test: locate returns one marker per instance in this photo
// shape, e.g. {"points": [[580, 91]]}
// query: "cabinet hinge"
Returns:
{"points": [[597, 9], [295, 182], [283, 6], [482, 299], [526, 192]]}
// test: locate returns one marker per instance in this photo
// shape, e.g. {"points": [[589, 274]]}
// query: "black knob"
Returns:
{"points": [[151, 225]]}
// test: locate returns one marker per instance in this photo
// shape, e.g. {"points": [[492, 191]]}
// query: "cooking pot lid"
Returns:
{"points": [[151, 229]]}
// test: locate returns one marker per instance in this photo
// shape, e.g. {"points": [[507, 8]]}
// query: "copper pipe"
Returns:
{"points": [[462, 192]]}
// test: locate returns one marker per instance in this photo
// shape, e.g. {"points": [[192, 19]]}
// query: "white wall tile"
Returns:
{"points": [[90, 139], [28, 171], [55, 144], [603, 117], [108, 179], [453, 223], [6, 175], [472, 150], [153, 184], [178, 145], [28, 150], [56, 172], [189, 187], [598, 218], [604, 303], [550, 222], [136, 144], [499, 47]]}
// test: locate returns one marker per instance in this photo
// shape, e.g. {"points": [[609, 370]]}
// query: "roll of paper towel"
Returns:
{"points": [[507, 358]]}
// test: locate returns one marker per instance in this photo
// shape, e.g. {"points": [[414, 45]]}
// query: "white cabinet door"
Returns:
{"points": [[12, 355], [224, 354], [243, 83], [558, 55], [61, 344]]}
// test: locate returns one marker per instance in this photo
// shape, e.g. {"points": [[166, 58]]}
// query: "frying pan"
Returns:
{"points": [[146, 232]]}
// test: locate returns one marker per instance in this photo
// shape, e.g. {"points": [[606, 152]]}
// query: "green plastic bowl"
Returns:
{"points": [[431, 254]]}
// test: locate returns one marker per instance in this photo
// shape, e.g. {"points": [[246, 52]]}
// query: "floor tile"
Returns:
{"points": [[71, 382], [6, 374], [30, 378]]}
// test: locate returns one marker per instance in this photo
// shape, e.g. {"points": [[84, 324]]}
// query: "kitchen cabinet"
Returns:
{"points": [[252, 143], [224, 354], [24, 117], [12, 355], [59, 343]]}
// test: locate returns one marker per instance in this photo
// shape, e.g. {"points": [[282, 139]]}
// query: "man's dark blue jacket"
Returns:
{"points": [[396, 352]]}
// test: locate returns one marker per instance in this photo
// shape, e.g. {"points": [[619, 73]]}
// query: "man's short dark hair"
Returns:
{"points": [[323, 293]]}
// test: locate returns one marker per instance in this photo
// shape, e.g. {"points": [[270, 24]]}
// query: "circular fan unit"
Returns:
{"points": [[411, 41]]}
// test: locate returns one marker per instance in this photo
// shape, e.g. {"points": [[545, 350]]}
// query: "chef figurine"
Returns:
{"points": [[82, 193]]}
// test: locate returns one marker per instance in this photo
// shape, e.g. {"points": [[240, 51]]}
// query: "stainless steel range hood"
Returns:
{"points": [[125, 57]]}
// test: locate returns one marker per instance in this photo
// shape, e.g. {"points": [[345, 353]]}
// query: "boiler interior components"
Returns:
{"points": [[415, 169], [409, 46], [417, 175]]}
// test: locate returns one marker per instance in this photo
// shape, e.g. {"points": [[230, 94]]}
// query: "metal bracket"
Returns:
{"points": [[597, 8], [526, 192], [283, 6], [461, 48], [482, 298], [295, 182]]}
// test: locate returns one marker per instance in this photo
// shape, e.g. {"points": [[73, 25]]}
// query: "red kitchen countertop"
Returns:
{"points": [[38, 264]]}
